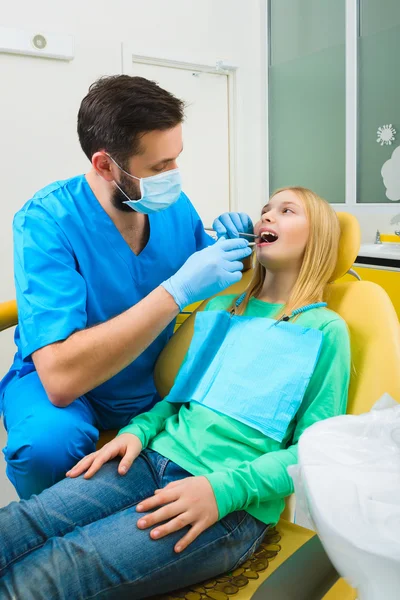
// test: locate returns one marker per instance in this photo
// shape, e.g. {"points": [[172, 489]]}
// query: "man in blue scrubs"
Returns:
{"points": [[103, 264]]}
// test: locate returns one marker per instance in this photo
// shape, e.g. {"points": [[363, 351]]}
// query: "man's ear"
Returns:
{"points": [[103, 166]]}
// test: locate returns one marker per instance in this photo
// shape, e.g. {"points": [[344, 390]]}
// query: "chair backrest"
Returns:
{"points": [[368, 312], [375, 341]]}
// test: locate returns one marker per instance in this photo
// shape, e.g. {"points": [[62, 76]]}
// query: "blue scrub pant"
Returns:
{"points": [[44, 441]]}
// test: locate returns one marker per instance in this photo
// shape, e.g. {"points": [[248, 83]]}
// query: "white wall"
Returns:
{"points": [[40, 98], [373, 218]]}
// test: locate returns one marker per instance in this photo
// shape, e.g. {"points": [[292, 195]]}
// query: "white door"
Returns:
{"points": [[205, 158]]}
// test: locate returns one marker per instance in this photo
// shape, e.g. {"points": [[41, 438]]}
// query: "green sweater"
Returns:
{"points": [[246, 469]]}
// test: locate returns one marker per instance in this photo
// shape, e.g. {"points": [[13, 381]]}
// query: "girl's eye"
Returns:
{"points": [[287, 209]]}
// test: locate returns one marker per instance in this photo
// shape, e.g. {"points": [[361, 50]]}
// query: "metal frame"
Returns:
{"points": [[352, 42], [352, 34], [129, 55]]}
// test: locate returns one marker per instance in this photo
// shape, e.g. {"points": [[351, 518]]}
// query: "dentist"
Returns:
{"points": [[103, 264]]}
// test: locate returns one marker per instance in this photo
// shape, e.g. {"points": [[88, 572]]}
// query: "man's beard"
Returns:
{"points": [[131, 189]]}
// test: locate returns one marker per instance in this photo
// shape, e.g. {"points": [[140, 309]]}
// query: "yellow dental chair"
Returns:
{"points": [[300, 569], [291, 564]]}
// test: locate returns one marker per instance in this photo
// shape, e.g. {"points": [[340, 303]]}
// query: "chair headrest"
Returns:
{"points": [[349, 245]]}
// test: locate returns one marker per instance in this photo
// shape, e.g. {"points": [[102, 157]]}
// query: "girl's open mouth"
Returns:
{"points": [[266, 238]]}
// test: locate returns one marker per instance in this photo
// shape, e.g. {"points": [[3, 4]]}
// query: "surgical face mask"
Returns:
{"points": [[158, 192]]}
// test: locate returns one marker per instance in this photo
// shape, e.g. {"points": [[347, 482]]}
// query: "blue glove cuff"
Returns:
{"points": [[168, 285]]}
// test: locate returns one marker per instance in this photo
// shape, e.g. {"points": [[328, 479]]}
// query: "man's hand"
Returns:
{"points": [[231, 224], [126, 445], [208, 272], [189, 501]]}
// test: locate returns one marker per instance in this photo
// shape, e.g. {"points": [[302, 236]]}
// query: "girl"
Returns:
{"points": [[204, 473]]}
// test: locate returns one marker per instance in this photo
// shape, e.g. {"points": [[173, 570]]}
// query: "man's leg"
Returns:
{"points": [[43, 441]]}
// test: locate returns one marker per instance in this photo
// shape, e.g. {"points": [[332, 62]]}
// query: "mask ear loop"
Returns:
{"points": [[129, 175], [121, 169]]}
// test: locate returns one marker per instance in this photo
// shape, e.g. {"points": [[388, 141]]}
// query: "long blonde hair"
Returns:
{"points": [[319, 259]]}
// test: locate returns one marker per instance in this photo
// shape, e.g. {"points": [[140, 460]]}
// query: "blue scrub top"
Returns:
{"points": [[73, 270]]}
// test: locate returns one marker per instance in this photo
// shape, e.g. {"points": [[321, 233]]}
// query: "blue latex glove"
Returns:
{"points": [[208, 272], [230, 224]]}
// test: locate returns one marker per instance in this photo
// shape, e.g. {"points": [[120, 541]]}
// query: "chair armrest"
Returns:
{"points": [[8, 314]]}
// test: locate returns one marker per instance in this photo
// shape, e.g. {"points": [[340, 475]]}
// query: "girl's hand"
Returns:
{"points": [[126, 445], [189, 501]]}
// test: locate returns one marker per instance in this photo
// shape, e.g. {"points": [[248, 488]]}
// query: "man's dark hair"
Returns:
{"points": [[119, 109]]}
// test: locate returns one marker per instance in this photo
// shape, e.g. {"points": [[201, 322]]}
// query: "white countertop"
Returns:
{"points": [[389, 250]]}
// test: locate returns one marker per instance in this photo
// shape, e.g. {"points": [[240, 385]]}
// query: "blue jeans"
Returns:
{"points": [[79, 540]]}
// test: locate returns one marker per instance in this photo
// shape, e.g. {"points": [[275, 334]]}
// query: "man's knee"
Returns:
{"points": [[40, 450]]}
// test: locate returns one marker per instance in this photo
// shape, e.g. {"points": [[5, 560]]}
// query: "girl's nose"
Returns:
{"points": [[268, 218]]}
